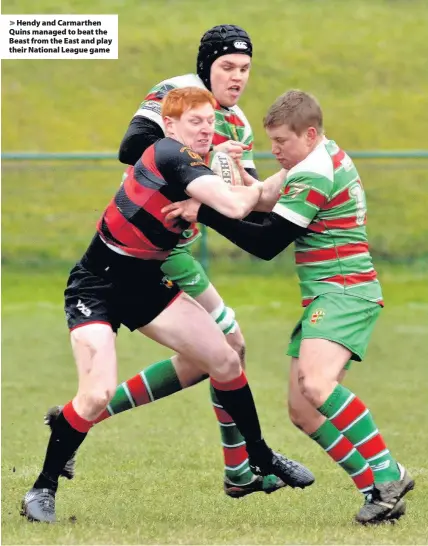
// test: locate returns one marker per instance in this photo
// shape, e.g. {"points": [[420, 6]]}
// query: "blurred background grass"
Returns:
{"points": [[365, 61]]}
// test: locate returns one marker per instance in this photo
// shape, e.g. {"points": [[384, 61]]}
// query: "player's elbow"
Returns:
{"points": [[124, 155], [267, 255], [238, 210], [267, 251]]}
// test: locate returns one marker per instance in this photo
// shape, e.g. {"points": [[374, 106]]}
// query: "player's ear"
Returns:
{"points": [[168, 123], [311, 134]]}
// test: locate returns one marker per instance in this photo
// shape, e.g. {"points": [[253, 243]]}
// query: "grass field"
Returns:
{"points": [[365, 60], [153, 476]]}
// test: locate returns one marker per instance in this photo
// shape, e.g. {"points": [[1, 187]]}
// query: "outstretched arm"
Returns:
{"points": [[264, 241]]}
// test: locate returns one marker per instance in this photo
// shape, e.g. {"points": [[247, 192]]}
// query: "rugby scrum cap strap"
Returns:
{"points": [[218, 41]]}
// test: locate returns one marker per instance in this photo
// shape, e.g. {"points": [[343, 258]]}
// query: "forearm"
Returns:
{"points": [[248, 197], [271, 190], [264, 241]]}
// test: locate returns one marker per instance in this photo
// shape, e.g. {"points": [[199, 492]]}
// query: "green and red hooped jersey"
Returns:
{"points": [[324, 194]]}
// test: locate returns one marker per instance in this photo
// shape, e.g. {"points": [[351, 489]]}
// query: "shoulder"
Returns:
{"points": [[177, 82], [158, 91], [167, 146], [318, 164], [240, 116], [169, 150]]}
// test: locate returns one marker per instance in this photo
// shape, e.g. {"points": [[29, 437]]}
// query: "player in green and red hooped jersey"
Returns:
{"points": [[322, 209], [223, 67]]}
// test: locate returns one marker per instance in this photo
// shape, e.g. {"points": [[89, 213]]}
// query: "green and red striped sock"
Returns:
{"points": [[155, 382], [236, 465], [353, 419], [160, 380], [341, 450]]}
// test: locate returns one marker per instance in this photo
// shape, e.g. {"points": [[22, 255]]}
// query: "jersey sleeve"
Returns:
{"points": [[178, 164], [302, 196], [152, 104]]}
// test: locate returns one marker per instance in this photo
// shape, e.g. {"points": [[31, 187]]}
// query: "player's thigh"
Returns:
{"points": [[182, 268], [334, 329], [92, 322], [94, 351], [185, 327]]}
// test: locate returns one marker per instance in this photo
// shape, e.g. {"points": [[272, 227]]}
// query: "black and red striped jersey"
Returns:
{"points": [[133, 224]]}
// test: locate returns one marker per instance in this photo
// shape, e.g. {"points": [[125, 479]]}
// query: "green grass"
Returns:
{"points": [[63, 203], [154, 475], [365, 61]]}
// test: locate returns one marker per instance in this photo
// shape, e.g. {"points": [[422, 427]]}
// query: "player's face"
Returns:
{"points": [[229, 76], [288, 147], [195, 128]]}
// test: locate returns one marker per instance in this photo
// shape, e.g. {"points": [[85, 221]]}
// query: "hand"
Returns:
{"points": [[232, 147], [188, 210], [247, 179]]}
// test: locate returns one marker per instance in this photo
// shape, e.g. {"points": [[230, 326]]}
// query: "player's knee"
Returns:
{"points": [[227, 366], [312, 389], [92, 401]]}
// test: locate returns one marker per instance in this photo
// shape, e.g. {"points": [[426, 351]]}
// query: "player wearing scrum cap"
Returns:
{"points": [[223, 67]]}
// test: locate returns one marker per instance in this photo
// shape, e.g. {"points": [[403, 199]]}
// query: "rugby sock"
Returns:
{"points": [[155, 382], [236, 398], [236, 464], [68, 433], [351, 417], [341, 450]]}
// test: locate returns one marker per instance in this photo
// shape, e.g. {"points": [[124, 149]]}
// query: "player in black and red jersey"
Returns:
{"points": [[119, 280]]}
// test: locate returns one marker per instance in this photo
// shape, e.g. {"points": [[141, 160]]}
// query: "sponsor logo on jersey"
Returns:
{"points": [[317, 316], [191, 153], [163, 90], [195, 280], [240, 45], [296, 188], [152, 106]]}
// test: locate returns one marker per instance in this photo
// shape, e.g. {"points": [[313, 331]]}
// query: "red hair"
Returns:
{"points": [[177, 101]]}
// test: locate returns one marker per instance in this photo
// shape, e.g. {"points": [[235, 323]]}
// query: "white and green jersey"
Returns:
{"points": [[230, 124], [324, 194]]}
